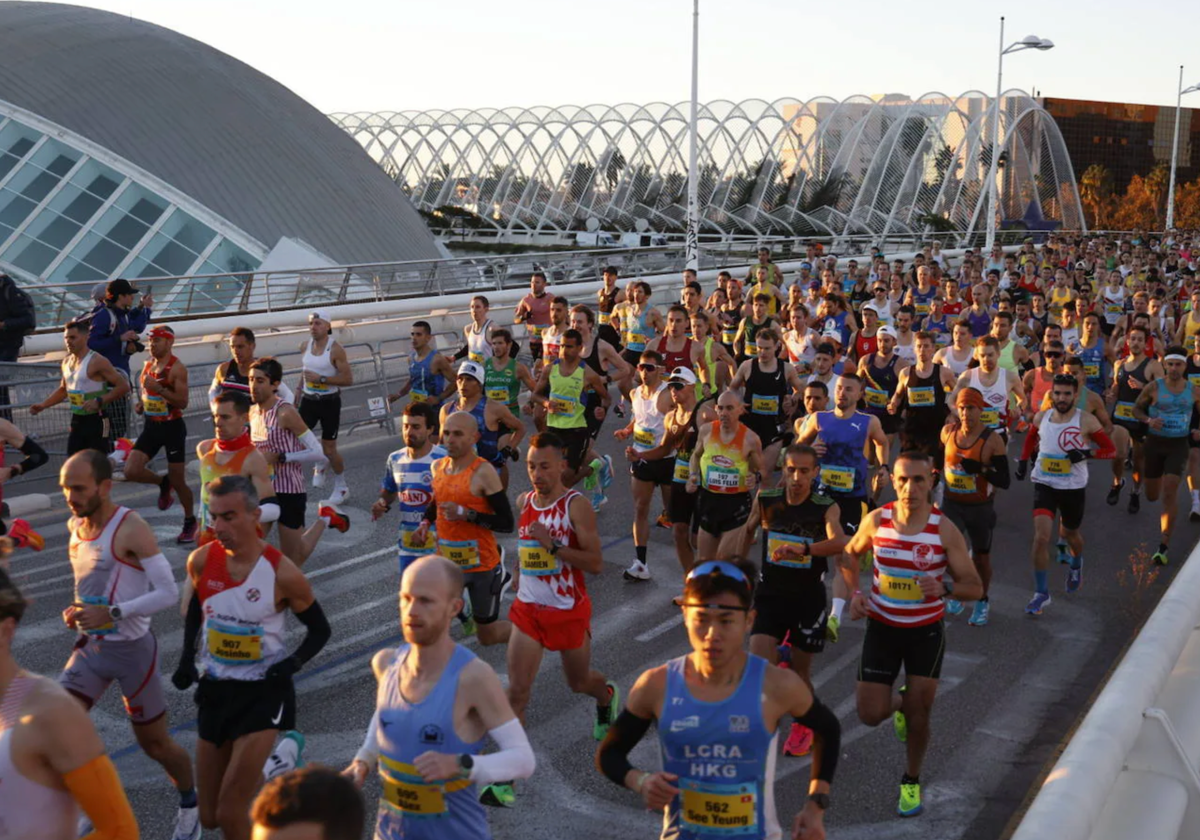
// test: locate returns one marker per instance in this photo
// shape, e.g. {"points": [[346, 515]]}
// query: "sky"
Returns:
{"points": [[395, 55]]}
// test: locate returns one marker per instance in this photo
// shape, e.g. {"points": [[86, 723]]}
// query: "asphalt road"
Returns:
{"points": [[1010, 692]]}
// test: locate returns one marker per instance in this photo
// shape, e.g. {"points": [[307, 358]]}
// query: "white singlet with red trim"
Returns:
{"points": [[896, 597], [28, 810], [243, 630], [103, 578], [545, 579]]}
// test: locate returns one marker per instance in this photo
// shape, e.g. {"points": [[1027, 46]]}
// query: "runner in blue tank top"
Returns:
{"points": [[1095, 353], [718, 711], [429, 372], [435, 703], [841, 436], [1165, 406]]}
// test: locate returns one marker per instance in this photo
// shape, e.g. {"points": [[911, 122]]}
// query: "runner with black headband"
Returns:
{"points": [[718, 710]]}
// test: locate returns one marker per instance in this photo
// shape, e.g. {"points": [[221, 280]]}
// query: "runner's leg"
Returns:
{"points": [[211, 763], [241, 781], [524, 657]]}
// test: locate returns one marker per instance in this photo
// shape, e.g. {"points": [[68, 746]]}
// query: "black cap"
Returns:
{"points": [[119, 287]]}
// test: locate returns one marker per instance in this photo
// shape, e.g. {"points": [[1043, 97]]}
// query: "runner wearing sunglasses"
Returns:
{"points": [[718, 711]]}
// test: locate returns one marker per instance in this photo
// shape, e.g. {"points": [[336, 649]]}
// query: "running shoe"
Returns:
{"points": [[1194, 516], [338, 521], [507, 583], [953, 607], [318, 479], [979, 615], [187, 824], [166, 496], [340, 493], [663, 520], [592, 481], [799, 741], [1062, 555], [84, 826], [1114, 493], [637, 571], [832, 626], [910, 800], [121, 450], [606, 472], [619, 408], [1075, 578], [287, 756], [1135, 502], [598, 499], [1160, 558], [1037, 603], [23, 535], [900, 720], [188, 535], [607, 713], [499, 795]]}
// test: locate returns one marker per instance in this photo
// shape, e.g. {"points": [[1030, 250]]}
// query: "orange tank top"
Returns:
{"points": [[961, 486], [471, 546]]}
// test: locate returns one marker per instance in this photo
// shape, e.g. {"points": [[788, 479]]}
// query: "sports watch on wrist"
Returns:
{"points": [[116, 612], [466, 762], [821, 800]]}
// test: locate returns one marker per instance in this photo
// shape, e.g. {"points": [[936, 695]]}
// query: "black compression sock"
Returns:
{"points": [[641, 553], [910, 780]]}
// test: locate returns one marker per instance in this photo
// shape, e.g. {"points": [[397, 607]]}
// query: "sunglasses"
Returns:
{"points": [[676, 386], [1064, 379], [1053, 354], [647, 367]]}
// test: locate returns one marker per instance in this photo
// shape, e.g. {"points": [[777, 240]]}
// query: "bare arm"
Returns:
{"points": [[344, 376]]}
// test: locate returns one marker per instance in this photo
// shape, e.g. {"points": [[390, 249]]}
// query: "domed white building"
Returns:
{"points": [[130, 150]]}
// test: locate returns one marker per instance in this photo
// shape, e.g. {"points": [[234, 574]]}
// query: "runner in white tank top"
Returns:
{"points": [[478, 333], [326, 372], [121, 579], [649, 464]]}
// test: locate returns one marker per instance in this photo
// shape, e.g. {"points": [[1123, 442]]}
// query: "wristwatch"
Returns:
{"points": [[116, 612], [466, 762], [283, 457], [821, 800], [321, 380], [554, 549]]}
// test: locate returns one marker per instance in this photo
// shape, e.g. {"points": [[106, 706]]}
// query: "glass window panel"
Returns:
{"points": [[40, 186], [127, 232], [21, 146], [99, 253], [97, 178], [53, 229], [61, 165], [147, 210], [188, 232], [82, 207], [55, 157], [228, 258], [103, 186], [7, 162], [72, 270], [14, 209], [170, 255], [30, 255]]}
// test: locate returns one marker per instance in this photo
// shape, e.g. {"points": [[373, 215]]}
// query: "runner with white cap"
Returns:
{"points": [[326, 372], [493, 417]]}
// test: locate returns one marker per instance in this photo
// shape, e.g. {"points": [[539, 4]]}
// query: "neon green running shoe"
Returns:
{"points": [[910, 800], [499, 795], [832, 626], [606, 714], [900, 725]]}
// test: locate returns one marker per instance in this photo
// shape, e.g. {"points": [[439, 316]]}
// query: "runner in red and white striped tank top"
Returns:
{"points": [[544, 580], [896, 597], [269, 436]]}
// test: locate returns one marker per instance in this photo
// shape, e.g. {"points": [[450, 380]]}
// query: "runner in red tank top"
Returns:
{"points": [[913, 547], [677, 349]]}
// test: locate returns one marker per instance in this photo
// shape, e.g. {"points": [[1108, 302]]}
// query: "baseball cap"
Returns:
{"points": [[323, 314], [684, 375], [473, 370], [162, 331], [118, 287], [886, 330], [869, 306]]}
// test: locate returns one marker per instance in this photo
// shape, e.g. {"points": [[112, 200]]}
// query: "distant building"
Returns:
{"points": [[1127, 139], [130, 150]]}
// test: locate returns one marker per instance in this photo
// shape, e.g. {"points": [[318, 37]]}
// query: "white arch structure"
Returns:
{"points": [[860, 166]]}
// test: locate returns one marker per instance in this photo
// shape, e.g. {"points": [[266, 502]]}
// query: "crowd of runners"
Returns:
{"points": [[823, 450]]}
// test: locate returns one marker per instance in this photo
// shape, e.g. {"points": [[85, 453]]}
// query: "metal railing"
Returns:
{"points": [[214, 295]]}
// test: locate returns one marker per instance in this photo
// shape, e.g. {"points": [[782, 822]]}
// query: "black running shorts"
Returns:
{"points": [[887, 649]]}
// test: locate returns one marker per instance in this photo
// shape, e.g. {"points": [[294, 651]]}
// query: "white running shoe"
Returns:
{"points": [[637, 571], [340, 493], [318, 475], [84, 827], [286, 757], [187, 824]]}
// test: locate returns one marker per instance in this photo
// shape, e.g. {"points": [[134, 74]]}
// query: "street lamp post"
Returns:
{"points": [[1029, 42], [692, 245], [1175, 149]]}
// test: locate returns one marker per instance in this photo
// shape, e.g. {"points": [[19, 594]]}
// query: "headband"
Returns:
{"points": [[1175, 357]]}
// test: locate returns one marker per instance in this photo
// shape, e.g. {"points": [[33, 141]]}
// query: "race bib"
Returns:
{"points": [[410, 795], [683, 469], [920, 397], [1124, 411], [154, 406], [417, 396], [958, 481], [1113, 308], [768, 406], [1193, 379], [922, 308], [1052, 465], [101, 601], [535, 559], [475, 357], [230, 644], [643, 438], [777, 540], [838, 478], [714, 809], [900, 588], [462, 553], [724, 480], [990, 417], [499, 395], [636, 341], [727, 336], [561, 405], [876, 398], [535, 332], [1175, 425], [1091, 371], [312, 386]]}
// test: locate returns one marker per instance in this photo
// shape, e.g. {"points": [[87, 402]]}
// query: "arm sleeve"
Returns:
{"points": [[97, 788], [1031, 442], [311, 453], [501, 521], [268, 510], [1105, 448], [317, 632], [828, 744], [368, 753], [998, 474], [461, 354], [286, 393], [191, 629], [612, 757], [35, 456], [163, 594], [514, 760]]}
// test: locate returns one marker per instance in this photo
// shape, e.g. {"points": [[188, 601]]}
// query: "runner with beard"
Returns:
{"points": [[802, 530], [920, 400], [682, 426], [409, 481], [1130, 376]]}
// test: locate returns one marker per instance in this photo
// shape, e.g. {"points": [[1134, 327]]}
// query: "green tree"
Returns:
{"points": [[1096, 194]]}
